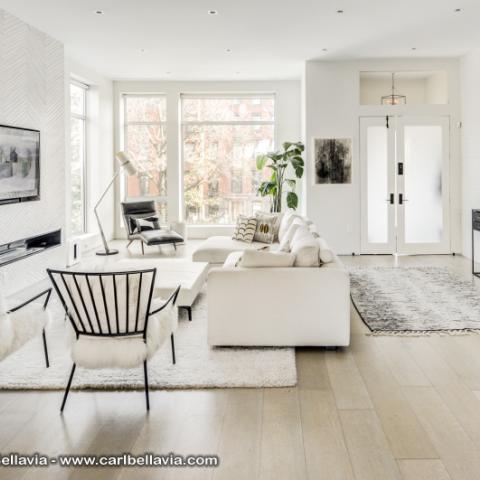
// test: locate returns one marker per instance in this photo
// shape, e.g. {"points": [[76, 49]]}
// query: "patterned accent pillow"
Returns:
{"points": [[265, 232], [245, 229], [278, 216]]}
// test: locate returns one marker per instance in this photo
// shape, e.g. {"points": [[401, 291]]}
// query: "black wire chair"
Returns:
{"points": [[109, 305]]}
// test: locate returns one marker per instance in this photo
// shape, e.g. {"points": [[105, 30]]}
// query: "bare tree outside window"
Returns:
{"points": [[146, 142], [221, 137]]}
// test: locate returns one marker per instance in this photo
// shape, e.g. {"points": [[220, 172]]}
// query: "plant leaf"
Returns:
{"points": [[267, 188], [261, 161], [298, 172], [292, 200], [291, 182]]}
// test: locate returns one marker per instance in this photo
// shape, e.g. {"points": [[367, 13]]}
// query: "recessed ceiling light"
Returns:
{"points": [[414, 48], [228, 50], [213, 12], [339, 11], [99, 12], [142, 50], [237, 73], [457, 10], [324, 49], [168, 73]]}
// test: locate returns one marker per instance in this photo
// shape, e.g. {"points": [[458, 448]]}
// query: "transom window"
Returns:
{"points": [[145, 140], [221, 137]]}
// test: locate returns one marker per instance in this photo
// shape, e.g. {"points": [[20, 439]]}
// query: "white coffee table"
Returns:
{"points": [[189, 275]]}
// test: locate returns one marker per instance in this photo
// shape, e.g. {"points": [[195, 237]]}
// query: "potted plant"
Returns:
{"points": [[278, 162]]}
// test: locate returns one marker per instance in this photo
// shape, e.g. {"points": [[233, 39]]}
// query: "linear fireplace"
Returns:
{"points": [[18, 249]]}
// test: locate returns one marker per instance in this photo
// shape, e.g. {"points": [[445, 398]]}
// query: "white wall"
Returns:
{"points": [[470, 81], [32, 95], [287, 128], [100, 150], [332, 109]]}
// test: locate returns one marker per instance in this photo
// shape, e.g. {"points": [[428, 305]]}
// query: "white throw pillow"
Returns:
{"points": [[326, 253], [255, 259], [285, 244], [306, 249], [287, 220], [313, 230], [245, 229]]}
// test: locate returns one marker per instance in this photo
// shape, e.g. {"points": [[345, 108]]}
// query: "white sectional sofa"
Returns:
{"points": [[274, 306]]}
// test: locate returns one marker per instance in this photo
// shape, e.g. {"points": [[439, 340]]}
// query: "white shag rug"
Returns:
{"points": [[198, 365]]}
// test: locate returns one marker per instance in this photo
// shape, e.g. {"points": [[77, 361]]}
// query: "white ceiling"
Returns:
{"points": [[269, 39]]}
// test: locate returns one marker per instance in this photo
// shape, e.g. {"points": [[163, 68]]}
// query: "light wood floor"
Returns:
{"points": [[385, 408]]}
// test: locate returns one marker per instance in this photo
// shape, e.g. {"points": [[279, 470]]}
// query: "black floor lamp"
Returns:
{"points": [[126, 164]]}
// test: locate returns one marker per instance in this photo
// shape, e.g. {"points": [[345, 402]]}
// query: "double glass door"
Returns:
{"points": [[405, 195]]}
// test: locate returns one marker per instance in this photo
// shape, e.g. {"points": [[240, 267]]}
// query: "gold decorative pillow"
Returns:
{"points": [[245, 229], [266, 228]]}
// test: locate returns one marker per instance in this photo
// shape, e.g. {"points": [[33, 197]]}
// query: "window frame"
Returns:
{"points": [[183, 123], [161, 199], [84, 119]]}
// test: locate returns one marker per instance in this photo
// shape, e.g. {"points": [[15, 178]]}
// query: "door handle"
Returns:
{"points": [[401, 200], [391, 200]]}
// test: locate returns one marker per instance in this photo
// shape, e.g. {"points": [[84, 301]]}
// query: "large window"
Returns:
{"points": [[145, 140], [221, 137], [78, 124]]}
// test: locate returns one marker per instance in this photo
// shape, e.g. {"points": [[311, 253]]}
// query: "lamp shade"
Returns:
{"points": [[125, 162]]}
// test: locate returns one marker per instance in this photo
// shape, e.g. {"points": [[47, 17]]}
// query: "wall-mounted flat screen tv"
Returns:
{"points": [[19, 164]]}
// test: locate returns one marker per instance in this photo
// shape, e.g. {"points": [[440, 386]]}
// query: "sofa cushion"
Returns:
{"points": [[326, 253], [216, 249], [306, 248], [232, 260], [285, 244], [313, 230], [255, 259], [160, 237], [287, 220], [245, 229]]}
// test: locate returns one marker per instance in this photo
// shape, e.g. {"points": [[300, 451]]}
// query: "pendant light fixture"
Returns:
{"points": [[393, 98]]}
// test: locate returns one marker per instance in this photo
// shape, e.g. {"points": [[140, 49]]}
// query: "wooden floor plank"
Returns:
{"points": [[312, 369], [457, 396], [406, 436], [462, 355], [368, 447], [423, 470], [240, 438], [457, 451], [183, 422], [325, 451], [282, 452], [347, 384], [406, 372]]}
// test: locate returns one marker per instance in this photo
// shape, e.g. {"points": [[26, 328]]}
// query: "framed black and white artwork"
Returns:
{"points": [[333, 160]]}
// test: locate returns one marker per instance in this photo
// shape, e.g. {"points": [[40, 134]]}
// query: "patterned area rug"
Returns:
{"points": [[198, 365], [415, 300]]}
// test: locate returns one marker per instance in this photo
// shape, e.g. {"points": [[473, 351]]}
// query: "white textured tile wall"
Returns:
{"points": [[32, 95]]}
